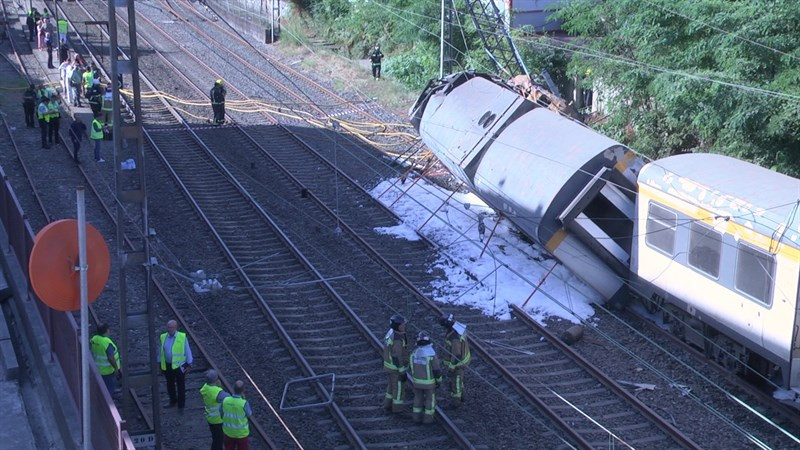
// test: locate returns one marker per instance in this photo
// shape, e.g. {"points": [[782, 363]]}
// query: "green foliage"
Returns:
{"points": [[654, 62], [408, 31]]}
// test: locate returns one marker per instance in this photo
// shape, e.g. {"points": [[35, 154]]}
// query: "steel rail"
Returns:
{"points": [[447, 423], [659, 421]]}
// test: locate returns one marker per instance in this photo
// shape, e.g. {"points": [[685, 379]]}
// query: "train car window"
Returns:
{"points": [[484, 120], [705, 246], [754, 273], [661, 224]]}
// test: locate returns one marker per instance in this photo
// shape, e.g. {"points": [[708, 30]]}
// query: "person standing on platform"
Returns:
{"points": [[48, 42], [75, 80], [96, 136], [63, 27], [43, 113], [77, 131], [63, 70], [41, 30], [29, 105], [213, 395], [217, 95], [31, 24], [175, 358], [235, 411], [88, 80], [376, 57], [106, 357]]}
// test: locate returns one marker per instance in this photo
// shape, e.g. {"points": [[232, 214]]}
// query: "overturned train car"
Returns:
{"points": [[713, 240]]}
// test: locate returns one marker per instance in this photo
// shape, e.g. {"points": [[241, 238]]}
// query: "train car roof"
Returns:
{"points": [[753, 196]]}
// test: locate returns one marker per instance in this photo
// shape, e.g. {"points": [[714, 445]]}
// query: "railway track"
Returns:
{"points": [[245, 242], [227, 138]]}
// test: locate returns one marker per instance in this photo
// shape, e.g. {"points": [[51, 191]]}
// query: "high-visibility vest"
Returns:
{"points": [[88, 78], [421, 366], [210, 393], [97, 135], [54, 110], [99, 346], [42, 112], [63, 26], [234, 419], [178, 345]]}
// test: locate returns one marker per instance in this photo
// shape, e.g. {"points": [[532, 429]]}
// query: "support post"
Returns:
{"points": [[84, 286], [541, 282], [440, 207]]}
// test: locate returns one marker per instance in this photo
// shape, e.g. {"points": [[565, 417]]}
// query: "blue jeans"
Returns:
{"points": [[111, 383], [97, 149]]}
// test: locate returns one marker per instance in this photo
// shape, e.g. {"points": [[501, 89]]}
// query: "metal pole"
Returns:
{"points": [[441, 45], [272, 21], [82, 266]]}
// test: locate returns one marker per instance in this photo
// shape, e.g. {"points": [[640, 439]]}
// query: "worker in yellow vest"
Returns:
{"points": [[235, 411], [175, 359], [43, 114], [96, 136], [54, 110], [213, 395], [106, 357], [63, 27], [88, 78]]}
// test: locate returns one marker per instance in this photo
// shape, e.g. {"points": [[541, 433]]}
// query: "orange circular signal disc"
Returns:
{"points": [[54, 259]]}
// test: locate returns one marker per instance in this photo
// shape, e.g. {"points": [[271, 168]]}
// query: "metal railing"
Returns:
{"points": [[63, 335]]}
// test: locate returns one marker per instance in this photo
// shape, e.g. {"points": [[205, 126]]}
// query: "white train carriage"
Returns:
{"points": [[719, 239], [566, 186]]}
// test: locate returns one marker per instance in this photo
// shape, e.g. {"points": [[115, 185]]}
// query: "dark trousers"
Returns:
{"points": [[43, 126], [76, 145], [95, 108], [176, 378], [217, 437], [50, 58], [237, 444], [376, 70], [219, 112], [31, 29], [28, 114], [52, 131], [97, 158]]}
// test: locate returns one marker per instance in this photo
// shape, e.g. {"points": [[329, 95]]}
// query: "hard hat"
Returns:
{"points": [[423, 338], [396, 320], [211, 376], [447, 320], [588, 72], [219, 82]]}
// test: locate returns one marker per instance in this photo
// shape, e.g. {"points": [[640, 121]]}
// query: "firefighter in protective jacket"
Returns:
{"points": [[217, 95], [458, 356], [395, 362], [426, 375]]}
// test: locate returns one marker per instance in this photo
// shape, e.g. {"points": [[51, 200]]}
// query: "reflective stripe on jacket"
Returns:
{"points": [[424, 365], [234, 418], [210, 393], [178, 345], [458, 345], [395, 353], [99, 351], [42, 112]]}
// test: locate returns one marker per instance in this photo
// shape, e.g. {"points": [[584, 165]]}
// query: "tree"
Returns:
{"points": [[657, 57]]}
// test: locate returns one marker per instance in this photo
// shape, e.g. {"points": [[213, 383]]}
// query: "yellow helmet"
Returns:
{"points": [[219, 82]]}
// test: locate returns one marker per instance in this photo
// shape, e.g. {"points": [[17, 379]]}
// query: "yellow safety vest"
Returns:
{"points": [[88, 78], [234, 419], [99, 346], [178, 345], [97, 135], [210, 393]]}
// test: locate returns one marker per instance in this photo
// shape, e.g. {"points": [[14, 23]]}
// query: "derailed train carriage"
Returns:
{"points": [[713, 240]]}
